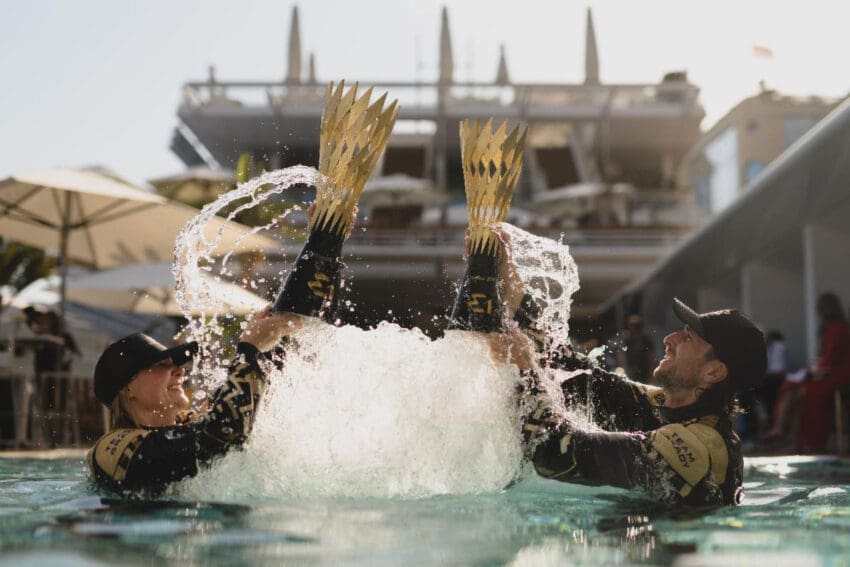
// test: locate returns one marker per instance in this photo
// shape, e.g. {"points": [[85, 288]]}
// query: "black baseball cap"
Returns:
{"points": [[736, 341], [125, 358]]}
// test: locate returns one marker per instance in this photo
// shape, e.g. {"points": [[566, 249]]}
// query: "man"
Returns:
{"points": [[675, 441], [153, 441]]}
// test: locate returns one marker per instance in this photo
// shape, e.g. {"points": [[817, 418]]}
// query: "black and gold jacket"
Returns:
{"points": [[689, 455], [143, 458]]}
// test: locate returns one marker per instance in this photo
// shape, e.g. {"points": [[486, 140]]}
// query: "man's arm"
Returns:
{"points": [[618, 404], [673, 464]]}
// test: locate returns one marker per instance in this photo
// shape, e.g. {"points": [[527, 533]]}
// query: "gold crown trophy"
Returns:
{"points": [[353, 135], [491, 165]]}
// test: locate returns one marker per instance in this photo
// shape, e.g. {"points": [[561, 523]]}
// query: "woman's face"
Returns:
{"points": [[155, 395]]}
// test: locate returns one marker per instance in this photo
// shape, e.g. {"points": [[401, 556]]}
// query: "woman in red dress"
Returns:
{"points": [[803, 408], [830, 372]]}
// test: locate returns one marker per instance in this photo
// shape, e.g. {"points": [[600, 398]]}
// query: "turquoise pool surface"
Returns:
{"points": [[796, 512]]}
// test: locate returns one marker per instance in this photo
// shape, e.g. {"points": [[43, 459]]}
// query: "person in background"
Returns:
{"points": [[55, 350], [803, 411], [153, 439], [636, 355], [778, 366]]}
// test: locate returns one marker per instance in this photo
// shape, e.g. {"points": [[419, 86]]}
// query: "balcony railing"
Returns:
{"points": [[424, 99], [454, 236]]}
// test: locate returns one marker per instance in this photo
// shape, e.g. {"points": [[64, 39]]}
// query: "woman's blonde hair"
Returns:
{"points": [[118, 416]]}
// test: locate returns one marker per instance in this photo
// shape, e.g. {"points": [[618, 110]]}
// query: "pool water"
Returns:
{"points": [[797, 512]]}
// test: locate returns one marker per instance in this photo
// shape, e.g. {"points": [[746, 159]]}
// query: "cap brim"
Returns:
{"points": [[181, 354], [688, 316]]}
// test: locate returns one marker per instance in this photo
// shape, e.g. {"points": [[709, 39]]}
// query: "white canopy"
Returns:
{"points": [[399, 189], [578, 198], [198, 173], [108, 222], [149, 288], [196, 184], [583, 190], [457, 215], [103, 221]]}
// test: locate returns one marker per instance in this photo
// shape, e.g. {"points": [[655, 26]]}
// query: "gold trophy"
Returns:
{"points": [[491, 165], [353, 135]]}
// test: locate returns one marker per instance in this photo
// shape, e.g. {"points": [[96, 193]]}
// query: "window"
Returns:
{"points": [[796, 126], [722, 154], [752, 169]]}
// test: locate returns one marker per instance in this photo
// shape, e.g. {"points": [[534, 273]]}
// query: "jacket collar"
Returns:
{"points": [[705, 405]]}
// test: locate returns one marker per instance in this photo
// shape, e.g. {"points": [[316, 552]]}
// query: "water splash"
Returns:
{"points": [[386, 413], [196, 251], [548, 274]]}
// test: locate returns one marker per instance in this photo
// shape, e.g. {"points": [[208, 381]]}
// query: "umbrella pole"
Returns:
{"points": [[63, 260]]}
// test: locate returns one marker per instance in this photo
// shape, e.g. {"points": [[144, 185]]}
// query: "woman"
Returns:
{"points": [[830, 371], [153, 441], [803, 408]]}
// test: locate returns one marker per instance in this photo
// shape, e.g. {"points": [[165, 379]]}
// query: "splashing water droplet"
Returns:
{"points": [[194, 255]]}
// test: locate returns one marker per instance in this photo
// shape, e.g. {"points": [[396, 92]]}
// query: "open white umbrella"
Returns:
{"points": [[400, 190], [103, 221], [457, 215], [196, 184], [149, 288], [578, 198]]}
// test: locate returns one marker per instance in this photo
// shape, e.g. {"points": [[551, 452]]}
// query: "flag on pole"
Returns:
{"points": [[762, 51]]}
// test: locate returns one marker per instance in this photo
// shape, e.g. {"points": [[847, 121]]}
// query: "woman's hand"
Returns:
{"points": [[513, 290], [266, 329], [512, 347]]}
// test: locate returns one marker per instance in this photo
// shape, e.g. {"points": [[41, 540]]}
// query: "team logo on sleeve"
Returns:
{"points": [[683, 452], [321, 286]]}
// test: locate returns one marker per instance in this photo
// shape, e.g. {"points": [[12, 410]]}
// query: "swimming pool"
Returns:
{"points": [[797, 512]]}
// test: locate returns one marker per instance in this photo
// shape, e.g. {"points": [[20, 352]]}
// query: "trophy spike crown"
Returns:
{"points": [[353, 135], [492, 161], [503, 128]]}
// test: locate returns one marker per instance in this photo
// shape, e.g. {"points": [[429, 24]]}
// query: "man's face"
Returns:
{"points": [[685, 354], [159, 391]]}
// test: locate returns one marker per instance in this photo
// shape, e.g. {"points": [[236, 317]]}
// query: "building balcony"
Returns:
{"points": [[422, 101]]}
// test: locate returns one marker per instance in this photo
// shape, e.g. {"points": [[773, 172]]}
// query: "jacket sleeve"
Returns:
{"points": [[673, 464], [618, 403], [130, 459]]}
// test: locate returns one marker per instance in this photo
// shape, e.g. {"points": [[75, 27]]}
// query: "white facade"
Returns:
{"points": [[724, 180]]}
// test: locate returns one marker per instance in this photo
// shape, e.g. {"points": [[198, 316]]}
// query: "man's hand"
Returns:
{"points": [[265, 330]]}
